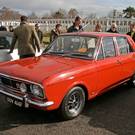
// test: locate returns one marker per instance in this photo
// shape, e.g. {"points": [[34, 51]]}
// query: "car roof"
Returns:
{"points": [[96, 34], [6, 33]]}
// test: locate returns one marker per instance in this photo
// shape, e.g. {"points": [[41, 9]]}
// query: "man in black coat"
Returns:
{"points": [[56, 32], [39, 33], [132, 31], [76, 25], [113, 28]]}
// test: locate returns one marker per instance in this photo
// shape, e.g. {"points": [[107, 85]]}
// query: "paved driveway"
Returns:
{"points": [[110, 114]]}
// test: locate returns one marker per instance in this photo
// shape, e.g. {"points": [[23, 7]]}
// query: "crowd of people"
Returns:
{"points": [[29, 38], [77, 27]]}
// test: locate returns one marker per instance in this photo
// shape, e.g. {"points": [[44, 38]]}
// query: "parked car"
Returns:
{"points": [[76, 67], [5, 43]]}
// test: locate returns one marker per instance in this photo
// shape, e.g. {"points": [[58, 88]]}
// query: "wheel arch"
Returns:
{"points": [[85, 90]]}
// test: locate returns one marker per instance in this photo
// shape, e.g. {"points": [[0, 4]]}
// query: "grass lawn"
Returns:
{"points": [[46, 40]]}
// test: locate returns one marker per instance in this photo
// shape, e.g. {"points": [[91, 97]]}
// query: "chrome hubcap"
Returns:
{"points": [[133, 81], [74, 102]]}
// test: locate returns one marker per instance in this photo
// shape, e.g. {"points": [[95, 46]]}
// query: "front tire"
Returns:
{"points": [[73, 103], [131, 82]]}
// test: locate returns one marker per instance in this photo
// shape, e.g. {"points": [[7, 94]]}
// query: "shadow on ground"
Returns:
{"points": [[114, 111], [12, 116]]}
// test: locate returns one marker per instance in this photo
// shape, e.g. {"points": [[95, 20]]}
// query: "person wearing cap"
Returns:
{"points": [[39, 32], [76, 27], [25, 35], [113, 28], [132, 31], [56, 32]]}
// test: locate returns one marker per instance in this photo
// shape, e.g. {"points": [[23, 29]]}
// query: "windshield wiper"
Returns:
{"points": [[53, 52], [79, 54]]}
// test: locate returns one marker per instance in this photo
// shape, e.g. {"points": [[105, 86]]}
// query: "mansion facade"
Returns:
{"points": [[88, 24]]}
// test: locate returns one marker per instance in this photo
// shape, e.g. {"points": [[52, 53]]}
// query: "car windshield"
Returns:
{"points": [[77, 46], [5, 42]]}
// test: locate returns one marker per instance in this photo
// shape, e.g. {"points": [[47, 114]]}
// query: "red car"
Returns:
{"points": [[76, 67]]}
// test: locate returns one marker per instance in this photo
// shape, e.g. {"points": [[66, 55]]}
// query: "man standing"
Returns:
{"points": [[132, 31], [39, 33], [98, 28], [76, 25], [25, 35], [56, 32], [10, 28], [113, 28]]}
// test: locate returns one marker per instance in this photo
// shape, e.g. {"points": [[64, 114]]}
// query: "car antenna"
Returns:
{"points": [[84, 27]]}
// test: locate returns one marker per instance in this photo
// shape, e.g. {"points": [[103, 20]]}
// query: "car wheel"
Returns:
{"points": [[132, 81], [73, 103]]}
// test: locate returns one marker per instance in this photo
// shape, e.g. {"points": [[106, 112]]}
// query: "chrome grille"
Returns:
{"points": [[12, 83]]}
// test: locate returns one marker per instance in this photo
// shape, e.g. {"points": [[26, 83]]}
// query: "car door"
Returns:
{"points": [[108, 65], [126, 56]]}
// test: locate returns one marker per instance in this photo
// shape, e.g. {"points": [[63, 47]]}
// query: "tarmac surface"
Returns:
{"points": [[112, 113]]}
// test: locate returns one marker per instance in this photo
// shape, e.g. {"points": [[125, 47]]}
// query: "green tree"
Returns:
{"points": [[129, 12]]}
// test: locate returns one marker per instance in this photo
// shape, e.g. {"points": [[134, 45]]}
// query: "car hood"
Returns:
{"points": [[38, 68]]}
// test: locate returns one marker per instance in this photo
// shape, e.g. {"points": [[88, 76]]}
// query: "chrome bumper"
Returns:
{"points": [[28, 101]]}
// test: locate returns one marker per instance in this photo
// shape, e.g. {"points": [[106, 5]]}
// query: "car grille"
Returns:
{"points": [[12, 83]]}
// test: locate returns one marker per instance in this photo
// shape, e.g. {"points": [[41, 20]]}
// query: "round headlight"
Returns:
{"points": [[23, 87], [36, 90]]}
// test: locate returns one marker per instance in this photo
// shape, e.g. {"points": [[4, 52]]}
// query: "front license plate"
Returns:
{"points": [[14, 101]]}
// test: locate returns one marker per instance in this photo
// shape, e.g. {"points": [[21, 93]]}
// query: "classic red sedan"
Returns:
{"points": [[76, 67]]}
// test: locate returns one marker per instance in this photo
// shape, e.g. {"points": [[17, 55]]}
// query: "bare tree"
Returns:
{"points": [[33, 16], [61, 13], [72, 13], [92, 15], [8, 14]]}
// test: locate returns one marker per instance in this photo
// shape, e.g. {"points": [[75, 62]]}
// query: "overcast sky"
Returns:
{"points": [[101, 7]]}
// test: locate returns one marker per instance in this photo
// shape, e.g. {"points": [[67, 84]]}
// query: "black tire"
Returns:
{"points": [[72, 104], [131, 82]]}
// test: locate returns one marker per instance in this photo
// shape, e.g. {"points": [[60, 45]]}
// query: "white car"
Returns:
{"points": [[5, 43]]}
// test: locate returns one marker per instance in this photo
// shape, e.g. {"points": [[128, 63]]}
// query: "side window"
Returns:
{"points": [[124, 46], [109, 47]]}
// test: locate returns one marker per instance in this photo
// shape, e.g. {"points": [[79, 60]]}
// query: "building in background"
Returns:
{"points": [[47, 25]]}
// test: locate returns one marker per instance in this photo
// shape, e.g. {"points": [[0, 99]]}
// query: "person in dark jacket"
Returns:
{"points": [[132, 31], [39, 32], [113, 28], [3, 28], [76, 27], [56, 32], [10, 28]]}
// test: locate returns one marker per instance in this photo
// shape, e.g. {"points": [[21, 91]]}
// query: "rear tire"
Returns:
{"points": [[72, 104]]}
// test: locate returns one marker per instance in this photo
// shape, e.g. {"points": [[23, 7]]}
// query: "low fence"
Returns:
{"points": [[48, 24]]}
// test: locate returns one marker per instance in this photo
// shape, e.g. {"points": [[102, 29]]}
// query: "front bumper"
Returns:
{"points": [[27, 101]]}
